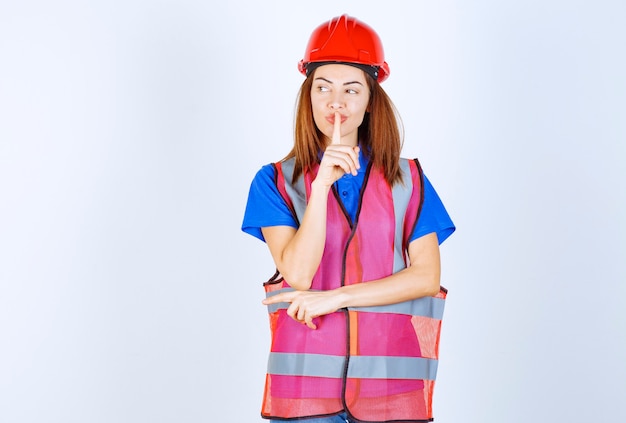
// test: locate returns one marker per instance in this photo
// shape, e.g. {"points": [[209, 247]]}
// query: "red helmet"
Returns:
{"points": [[344, 39]]}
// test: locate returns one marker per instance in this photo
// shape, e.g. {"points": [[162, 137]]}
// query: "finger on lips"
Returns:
{"points": [[337, 129]]}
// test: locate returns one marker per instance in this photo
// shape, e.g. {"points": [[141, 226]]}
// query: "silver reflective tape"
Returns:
{"points": [[424, 306], [360, 367], [367, 367], [316, 365], [297, 191], [271, 308], [401, 194]]}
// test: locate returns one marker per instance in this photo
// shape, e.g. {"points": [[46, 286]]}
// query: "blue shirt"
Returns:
{"points": [[266, 206]]}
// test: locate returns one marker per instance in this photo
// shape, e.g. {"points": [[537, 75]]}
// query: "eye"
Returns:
{"points": [[323, 89], [351, 91]]}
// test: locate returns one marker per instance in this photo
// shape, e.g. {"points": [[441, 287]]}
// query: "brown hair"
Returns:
{"points": [[380, 134]]}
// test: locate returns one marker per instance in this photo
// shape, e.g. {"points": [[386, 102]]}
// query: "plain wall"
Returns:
{"points": [[130, 132]]}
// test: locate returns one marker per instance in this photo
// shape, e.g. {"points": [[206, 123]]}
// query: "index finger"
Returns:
{"points": [[337, 129], [284, 297]]}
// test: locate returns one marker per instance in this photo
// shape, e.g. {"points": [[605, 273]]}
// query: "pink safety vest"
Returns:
{"points": [[376, 363]]}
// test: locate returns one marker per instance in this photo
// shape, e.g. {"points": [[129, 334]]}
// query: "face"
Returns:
{"points": [[343, 89]]}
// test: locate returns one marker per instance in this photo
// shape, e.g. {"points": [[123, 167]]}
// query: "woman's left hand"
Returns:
{"points": [[307, 305]]}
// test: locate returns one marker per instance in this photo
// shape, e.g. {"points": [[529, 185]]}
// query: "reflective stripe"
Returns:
{"points": [[271, 308], [316, 365], [374, 367], [297, 191], [401, 193], [424, 306], [360, 367]]}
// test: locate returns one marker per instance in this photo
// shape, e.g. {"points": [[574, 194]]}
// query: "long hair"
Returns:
{"points": [[380, 134]]}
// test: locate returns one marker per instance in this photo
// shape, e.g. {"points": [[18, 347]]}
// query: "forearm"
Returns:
{"points": [[301, 257], [405, 285]]}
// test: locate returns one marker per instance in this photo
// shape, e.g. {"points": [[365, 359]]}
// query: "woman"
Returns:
{"points": [[354, 230]]}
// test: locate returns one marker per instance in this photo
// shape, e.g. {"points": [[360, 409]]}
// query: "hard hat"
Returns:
{"points": [[345, 39]]}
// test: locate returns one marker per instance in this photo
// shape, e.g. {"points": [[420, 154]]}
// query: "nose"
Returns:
{"points": [[336, 102]]}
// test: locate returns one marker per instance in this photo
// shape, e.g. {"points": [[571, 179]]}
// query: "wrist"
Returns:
{"points": [[318, 186], [343, 297]]}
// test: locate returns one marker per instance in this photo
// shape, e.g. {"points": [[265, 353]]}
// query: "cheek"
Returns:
{"points": [[318, 117], [359, 111]]}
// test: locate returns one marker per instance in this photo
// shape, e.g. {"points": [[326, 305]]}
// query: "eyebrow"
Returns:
{"points": [[345, 83]]}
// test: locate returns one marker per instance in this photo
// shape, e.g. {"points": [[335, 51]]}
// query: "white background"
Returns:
{"points": [[130, 131]]}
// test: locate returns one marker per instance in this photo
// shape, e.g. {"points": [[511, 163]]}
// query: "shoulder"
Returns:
{"points": [[265, 175], [413, 168], [271, 169], [265, 205], [266, 170]]}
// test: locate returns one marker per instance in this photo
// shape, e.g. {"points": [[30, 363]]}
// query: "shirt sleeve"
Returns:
{"points": [[433, 217], [265, 206]]}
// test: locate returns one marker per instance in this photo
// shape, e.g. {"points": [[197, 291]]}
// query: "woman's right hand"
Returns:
{"points": [[338, 158]]}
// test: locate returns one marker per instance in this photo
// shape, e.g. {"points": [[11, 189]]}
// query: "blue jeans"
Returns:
{"points": [[339, 418]]}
